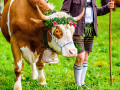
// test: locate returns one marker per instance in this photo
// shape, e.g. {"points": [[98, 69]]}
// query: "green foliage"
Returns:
{"points": [[78, 47], [61, 76], [51, 12], [63, 20]]}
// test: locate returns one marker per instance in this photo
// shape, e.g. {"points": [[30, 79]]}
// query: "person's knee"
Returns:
{"points": [[80, 57], [86, 57]]}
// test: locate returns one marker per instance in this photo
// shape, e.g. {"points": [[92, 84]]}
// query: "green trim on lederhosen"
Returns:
{"points": [[88, 31]]}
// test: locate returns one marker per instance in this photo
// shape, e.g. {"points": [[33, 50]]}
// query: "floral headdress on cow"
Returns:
{"points": [[55, 21], [49, 22]]}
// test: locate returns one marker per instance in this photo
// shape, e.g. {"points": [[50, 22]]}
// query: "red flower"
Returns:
{"points": [[74, 24], [71, 22], [54, 23]]}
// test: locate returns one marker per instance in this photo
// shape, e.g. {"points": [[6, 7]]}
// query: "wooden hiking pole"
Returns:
{"points": [[110, 51]]}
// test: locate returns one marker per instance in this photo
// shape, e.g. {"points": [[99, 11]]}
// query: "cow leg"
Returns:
{"points": [[34, 72], [19, 66], [41, 77]]}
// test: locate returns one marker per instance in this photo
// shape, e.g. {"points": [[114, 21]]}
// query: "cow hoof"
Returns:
{"points": [[42, 83]]}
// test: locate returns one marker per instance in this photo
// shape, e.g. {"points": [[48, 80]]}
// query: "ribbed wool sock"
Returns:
{"points": [[83, 73], [77, 74]]}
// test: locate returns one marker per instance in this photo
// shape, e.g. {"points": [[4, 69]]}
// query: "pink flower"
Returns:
{"points": [[74, 24], [71, 22], [54, 23]]}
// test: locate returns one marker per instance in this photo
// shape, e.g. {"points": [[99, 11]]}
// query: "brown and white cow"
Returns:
{"points": [[22, 26]]}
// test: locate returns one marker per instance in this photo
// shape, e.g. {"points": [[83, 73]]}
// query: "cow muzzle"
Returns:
{"points": [[70, 53]]}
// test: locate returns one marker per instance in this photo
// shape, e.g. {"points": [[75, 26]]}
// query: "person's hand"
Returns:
{"points": [[110, 5]]}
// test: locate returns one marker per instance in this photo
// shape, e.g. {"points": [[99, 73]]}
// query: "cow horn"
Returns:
{"points": [[41, 15], [80, 16]]}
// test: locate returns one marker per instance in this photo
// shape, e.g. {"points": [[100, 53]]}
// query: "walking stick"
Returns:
{"points": [[110, 54]]}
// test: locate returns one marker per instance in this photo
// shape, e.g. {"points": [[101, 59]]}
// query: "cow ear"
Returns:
{"points": [[37, 21]]}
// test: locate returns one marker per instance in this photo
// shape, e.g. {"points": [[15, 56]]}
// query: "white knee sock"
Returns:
{"points": [[77, 74], [83, 73]]}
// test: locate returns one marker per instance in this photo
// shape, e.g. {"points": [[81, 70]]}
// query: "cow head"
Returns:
{"points": [[60, 35], [60, 39]]}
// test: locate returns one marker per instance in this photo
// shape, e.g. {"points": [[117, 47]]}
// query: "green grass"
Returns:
{"points": [[60, 76]]}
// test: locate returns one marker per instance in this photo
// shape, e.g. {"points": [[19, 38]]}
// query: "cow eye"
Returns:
{"points": [[56, 30]]}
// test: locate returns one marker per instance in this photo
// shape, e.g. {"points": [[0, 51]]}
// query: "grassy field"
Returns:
{"points": [[60, 76]]}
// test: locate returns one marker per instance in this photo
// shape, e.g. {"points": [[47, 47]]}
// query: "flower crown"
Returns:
{"points": [[55, 21]]}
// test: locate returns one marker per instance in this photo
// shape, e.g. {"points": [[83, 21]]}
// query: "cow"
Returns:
{"points": [[116, 3], [22, 24]]}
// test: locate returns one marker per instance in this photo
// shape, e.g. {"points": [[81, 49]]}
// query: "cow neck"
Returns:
{"points": [[45, 41]]}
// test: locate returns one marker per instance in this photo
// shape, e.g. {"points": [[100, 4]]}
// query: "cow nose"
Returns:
{"points": [[73, 52]]}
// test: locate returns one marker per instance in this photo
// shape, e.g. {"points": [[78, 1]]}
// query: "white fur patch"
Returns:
{"points": [[28, 55], [8, 18], [34, 72], [41, 78], [50, 5], [59, 14], [19, 64], [40, 72], [17, 85]]}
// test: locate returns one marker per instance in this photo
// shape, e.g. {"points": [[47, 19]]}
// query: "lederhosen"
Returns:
{"points": [[85, 42]]}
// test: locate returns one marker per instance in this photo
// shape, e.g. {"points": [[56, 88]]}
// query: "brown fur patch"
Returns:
{"points": [[58, 32], [39, 64], [5, 1], [42, 4]]}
